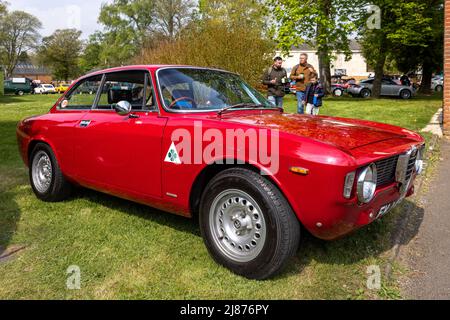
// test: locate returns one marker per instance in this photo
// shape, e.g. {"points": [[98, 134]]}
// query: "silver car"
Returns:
{"points": [[388, 88], [437, 84]]}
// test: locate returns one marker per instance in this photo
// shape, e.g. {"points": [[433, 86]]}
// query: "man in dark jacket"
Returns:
{"points": [[313, 96], [275, 78]]}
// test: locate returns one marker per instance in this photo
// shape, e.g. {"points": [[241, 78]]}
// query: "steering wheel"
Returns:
{"points": [[181, 99]]}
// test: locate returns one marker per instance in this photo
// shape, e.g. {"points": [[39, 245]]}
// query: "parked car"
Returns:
{"points": [[388, 88], [437, 84], [45, 89], [153, 145], [17, 86], [62, 88]]}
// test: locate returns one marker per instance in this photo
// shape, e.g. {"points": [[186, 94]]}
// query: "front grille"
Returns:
{"points": [[386, 171], [411, 164]]}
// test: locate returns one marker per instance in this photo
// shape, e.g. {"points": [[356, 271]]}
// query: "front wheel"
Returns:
{"points": [[47, 180], [247, 224]]}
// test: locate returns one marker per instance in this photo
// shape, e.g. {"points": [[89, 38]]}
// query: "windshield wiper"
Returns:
{"points": [[243, 105]]}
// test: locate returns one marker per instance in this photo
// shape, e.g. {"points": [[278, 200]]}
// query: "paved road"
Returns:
{"points": [[429, 253]]}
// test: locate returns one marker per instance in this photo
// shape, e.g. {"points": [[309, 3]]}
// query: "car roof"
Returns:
{"points": [[153, 67]]}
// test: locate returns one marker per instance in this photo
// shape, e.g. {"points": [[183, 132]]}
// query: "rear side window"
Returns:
{"points": [[83, 95], [132, 86]]}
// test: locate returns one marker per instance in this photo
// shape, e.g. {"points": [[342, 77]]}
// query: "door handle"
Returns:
{"points": [[85, 123]]}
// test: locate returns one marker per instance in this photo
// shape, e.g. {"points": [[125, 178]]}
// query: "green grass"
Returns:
{"points": [[129, 251]]}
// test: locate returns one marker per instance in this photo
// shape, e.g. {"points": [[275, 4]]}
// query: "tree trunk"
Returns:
{"points": [[323, 49], [325, 70], [379, 70], [427, 74]]}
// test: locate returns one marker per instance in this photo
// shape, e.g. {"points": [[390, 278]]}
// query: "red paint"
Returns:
{"points": [[125, 157]]}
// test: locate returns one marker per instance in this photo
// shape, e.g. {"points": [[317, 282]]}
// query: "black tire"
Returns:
{"points": [[338, 92], [282, 235], [439, 88], [59, 188], [365, 93], [405, 94], [20, 93]]}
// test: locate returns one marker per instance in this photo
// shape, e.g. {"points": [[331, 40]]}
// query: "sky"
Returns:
{"points": [[62, 14]]}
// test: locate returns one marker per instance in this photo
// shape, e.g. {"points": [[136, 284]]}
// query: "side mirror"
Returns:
{"points": [[123, 108]]}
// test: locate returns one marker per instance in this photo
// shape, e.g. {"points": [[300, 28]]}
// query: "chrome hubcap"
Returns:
{"points": [[42, 172], [238, 225]]}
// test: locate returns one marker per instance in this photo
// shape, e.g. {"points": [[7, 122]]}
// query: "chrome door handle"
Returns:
{"points": [[85, 123]]}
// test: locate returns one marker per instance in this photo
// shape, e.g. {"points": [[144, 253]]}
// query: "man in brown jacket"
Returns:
{"points": [[301, 73]]}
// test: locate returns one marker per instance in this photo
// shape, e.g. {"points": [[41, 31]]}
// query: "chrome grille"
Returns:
{"points": [[411, 164], [386, 171]]}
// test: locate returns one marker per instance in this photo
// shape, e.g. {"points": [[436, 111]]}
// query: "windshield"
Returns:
{"points": [[205, 90]]}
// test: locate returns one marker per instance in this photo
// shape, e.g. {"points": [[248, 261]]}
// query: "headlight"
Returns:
{"points": [[367, 184]]}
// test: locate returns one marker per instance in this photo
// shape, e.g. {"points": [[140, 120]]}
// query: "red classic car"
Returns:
{"points": [[201, 142]]}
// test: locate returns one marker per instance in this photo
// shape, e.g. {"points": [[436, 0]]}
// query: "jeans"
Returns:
{"points": [[278, 101], [300, 96], [312, 109]]}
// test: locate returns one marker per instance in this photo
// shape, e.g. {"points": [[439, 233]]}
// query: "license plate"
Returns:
{"points": [[389, 207]]}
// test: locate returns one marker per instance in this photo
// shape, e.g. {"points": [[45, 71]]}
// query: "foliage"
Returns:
{"points": [[237, 45], [61, 52], [18, 34], [323, 24], [404, 26], [91, 57], [129, 25]]}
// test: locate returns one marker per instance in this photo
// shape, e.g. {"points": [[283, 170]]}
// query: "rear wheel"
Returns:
{"points": [[439, 88], [46, 178], [365, 93], [247, 224], [338, 92], [20, 93], [405, 94]]}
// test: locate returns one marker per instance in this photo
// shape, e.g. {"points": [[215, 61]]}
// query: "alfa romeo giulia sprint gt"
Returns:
{"points": [[201, 142]]}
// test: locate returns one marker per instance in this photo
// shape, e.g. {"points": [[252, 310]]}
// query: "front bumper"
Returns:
{"points": [[351, 216]]}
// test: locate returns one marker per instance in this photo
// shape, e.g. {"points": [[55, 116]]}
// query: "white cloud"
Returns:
{"points": [[62, 14]]}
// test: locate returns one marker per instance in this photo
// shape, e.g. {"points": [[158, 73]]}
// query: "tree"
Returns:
{"points": [[429, 55], [171, 16], [322, 24], [219, 39], [61, 52], [131, 25], [404, 26], [18, 34], [92, 53]]}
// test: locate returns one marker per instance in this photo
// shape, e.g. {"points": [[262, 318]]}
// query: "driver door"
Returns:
{"points": [[122, 154]]}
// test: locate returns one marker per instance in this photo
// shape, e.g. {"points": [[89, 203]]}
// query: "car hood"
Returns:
{"points": [[343, 133]]}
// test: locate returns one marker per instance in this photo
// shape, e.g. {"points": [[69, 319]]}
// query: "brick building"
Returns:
{"points": [[28, 70], [447, 69]]}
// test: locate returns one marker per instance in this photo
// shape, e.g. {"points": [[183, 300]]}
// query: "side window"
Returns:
{"points": [[83, 95], [127, 86]]}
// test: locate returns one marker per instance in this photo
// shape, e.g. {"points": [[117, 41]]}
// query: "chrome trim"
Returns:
{"points": [[402, 170]]}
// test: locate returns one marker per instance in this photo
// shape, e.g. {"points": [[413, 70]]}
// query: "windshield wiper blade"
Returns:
{"points": [[242, 105]]}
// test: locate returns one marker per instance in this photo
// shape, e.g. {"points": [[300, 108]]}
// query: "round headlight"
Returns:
{"points": [[367, 183]]}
